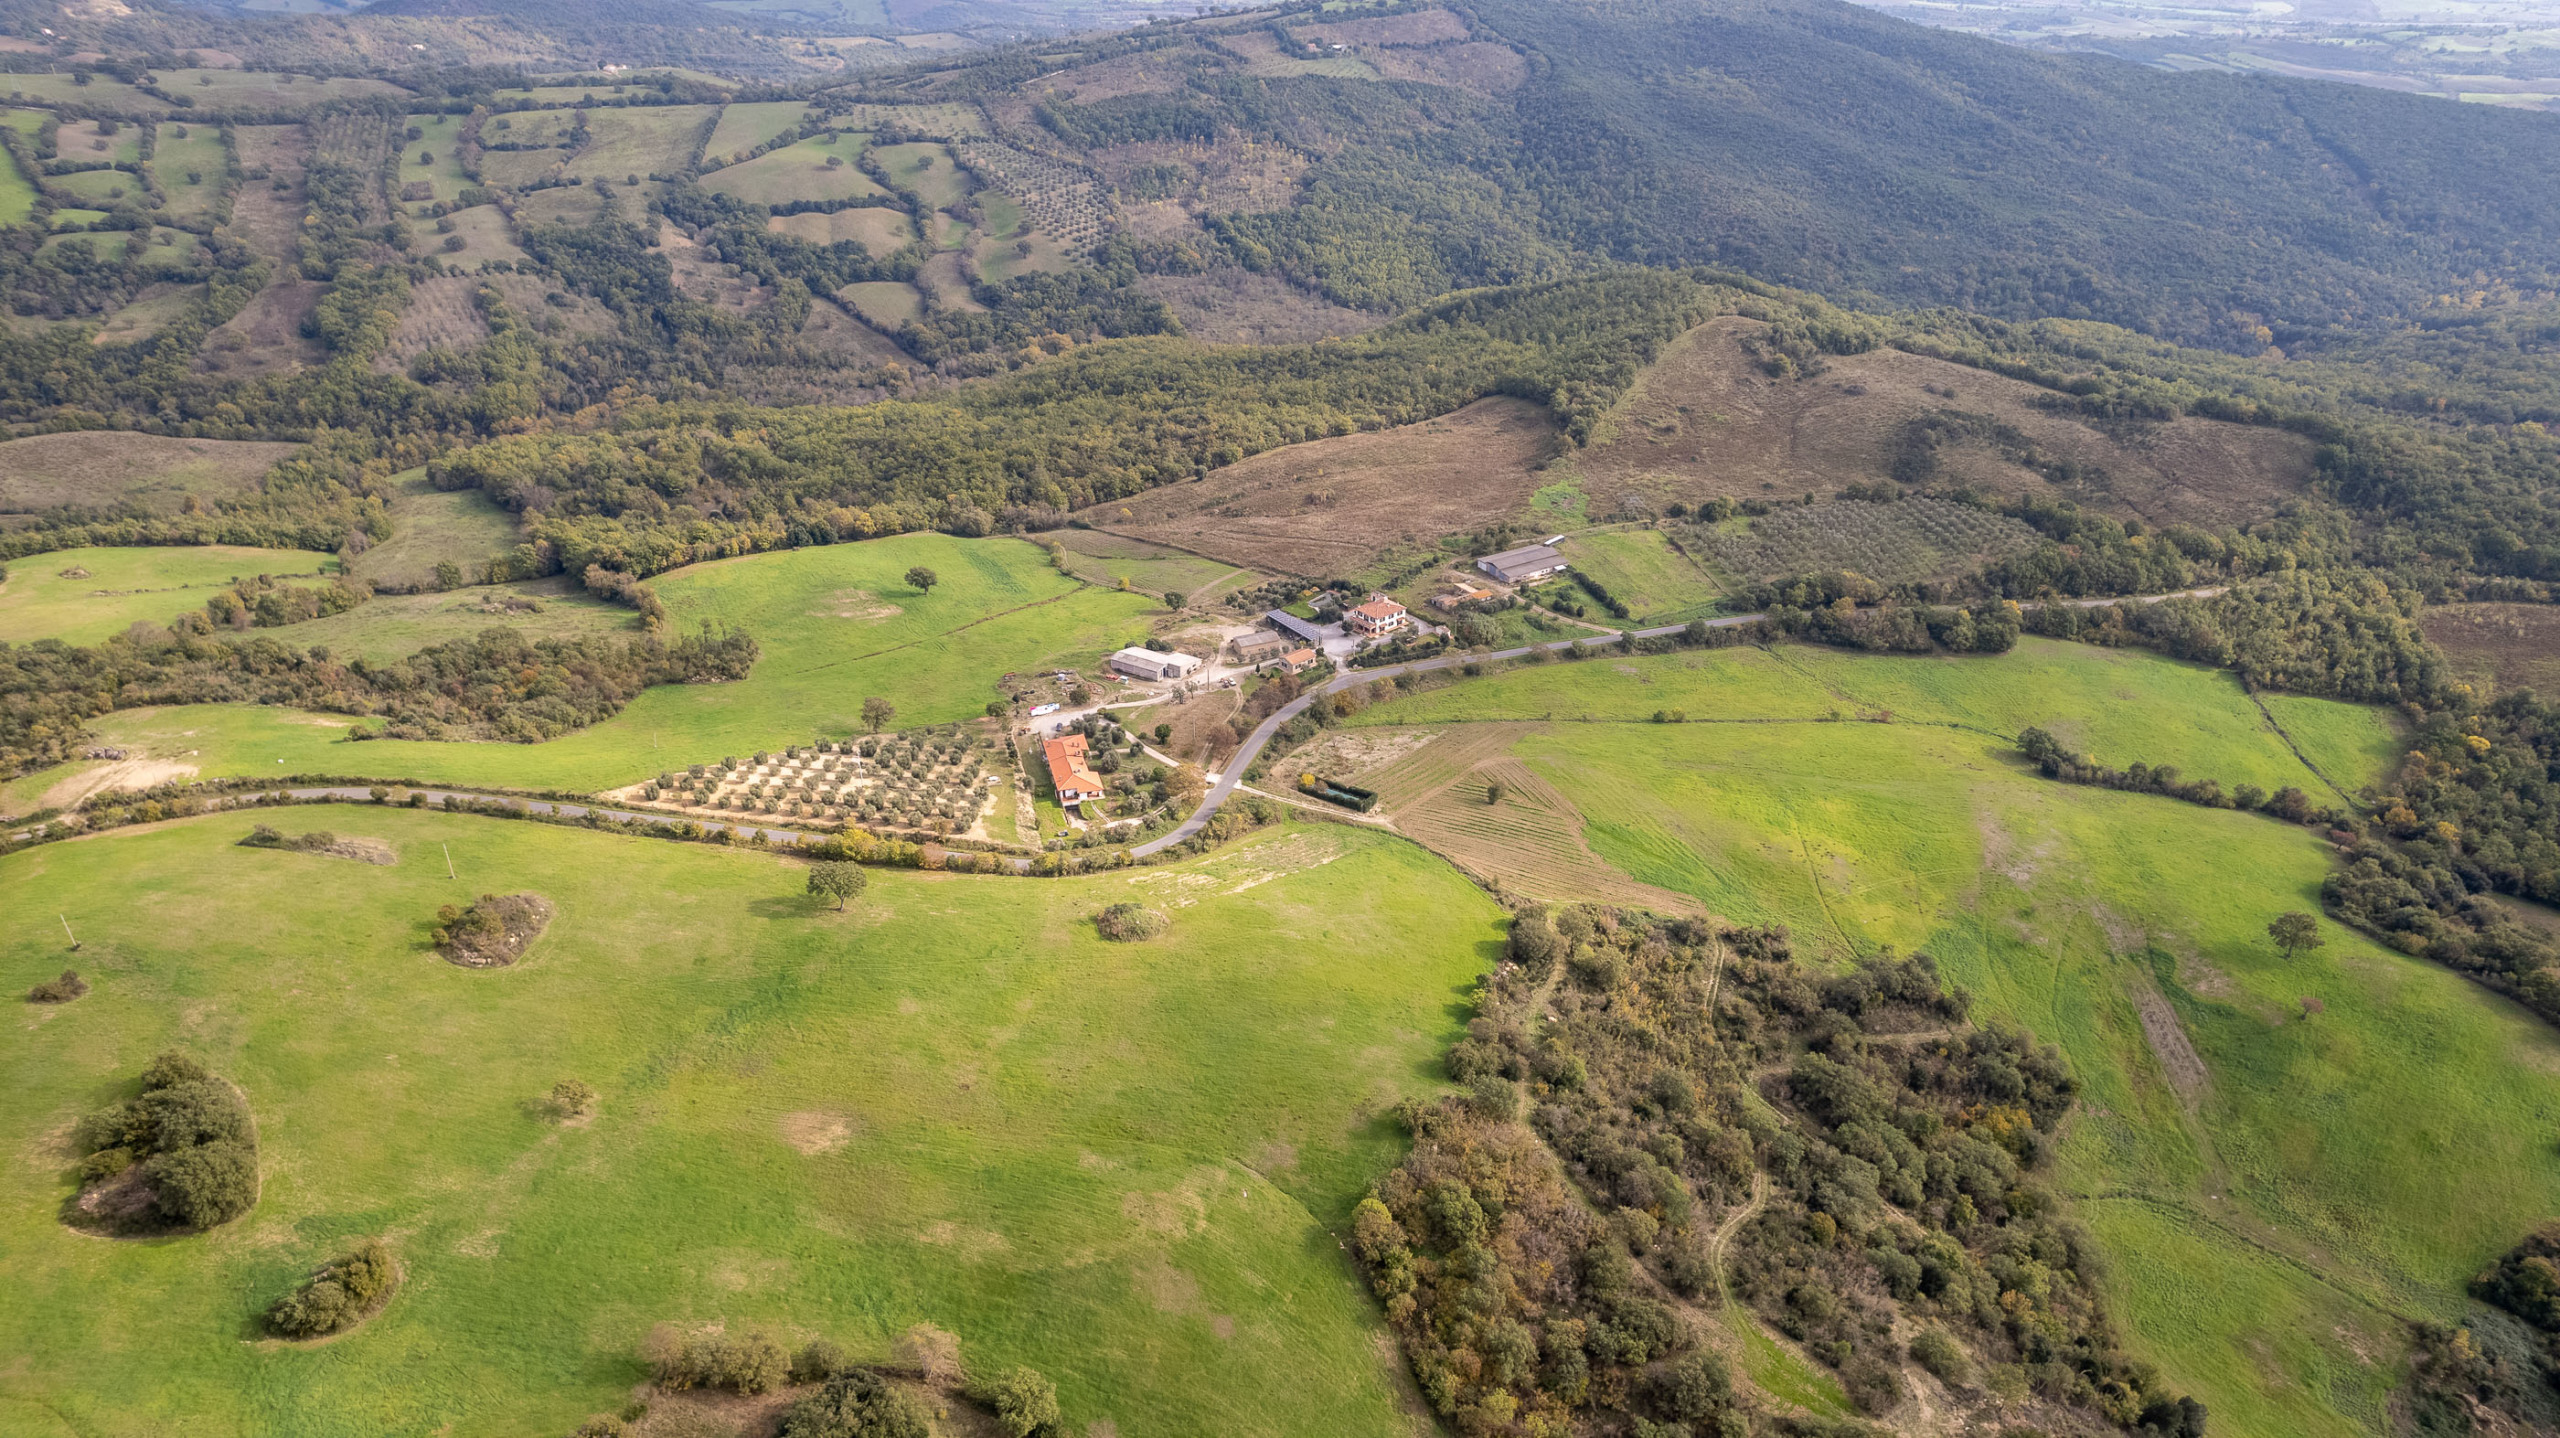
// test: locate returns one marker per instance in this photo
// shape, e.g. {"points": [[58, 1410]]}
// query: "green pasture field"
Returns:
{"points": [[883, 304], [103, 188], [1106, 559], [25, 122], [535, 127], [799, 172], [80, 140], [393, 626], [17, 193], [877, 228], [73, 217], [2120, 705], [486, 235], [837, 624], [199, 153], [150, 315], [101, 91], [1000, 260], [515, 169], [429, 527], [642, 140], [440, 136], [560, 205], [758, 122], [268, 90], [140, 585], [2333, 1177], [926, 167], [1658, 584], [105, 244], [954, 1105]]}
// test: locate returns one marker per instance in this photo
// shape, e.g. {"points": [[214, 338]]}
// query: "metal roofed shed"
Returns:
{"points": [[1153, 665], [1519, 566], [1288, 623]]}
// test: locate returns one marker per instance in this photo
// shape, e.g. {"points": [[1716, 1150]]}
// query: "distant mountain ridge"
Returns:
{"points": [[1823, 145]]}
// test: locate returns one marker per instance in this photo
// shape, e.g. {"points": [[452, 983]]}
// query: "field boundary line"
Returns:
{"points": [[2287, 736], [1081, 586]]}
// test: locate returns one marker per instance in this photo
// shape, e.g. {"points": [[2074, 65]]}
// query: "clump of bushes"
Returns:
{"points": [[184, 1154], [750, 1364], [1128, 923], [571, 1098], [494, 931], [268, 836], [59, 991], [339, 1296], [857, 1403], [1023, 1401]]}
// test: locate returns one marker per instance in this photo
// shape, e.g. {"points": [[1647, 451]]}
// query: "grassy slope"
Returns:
{"points": [[743, 127], [428, 527], [153, 584], [200, 153], [2122, 705], [1657, 583], [17, 193], [826, 649], [395, 626], [799, 172], [440, 136], [1043, 1145]]}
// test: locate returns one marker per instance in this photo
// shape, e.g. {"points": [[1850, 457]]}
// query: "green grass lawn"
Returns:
{"points": [[642, 140], [1107, 559], [439, 136], [799, 172], [837, 625], [926, 167], [956, 1105], [154, 585], [17, 192], [393, 626], [199, 153], [1658, 584], [743, 127], [268, 90], [104, 189], [2121, 705], [429, 527], [885, 304], [101, 91]]}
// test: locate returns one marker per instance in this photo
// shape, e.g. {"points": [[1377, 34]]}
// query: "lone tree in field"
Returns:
{"points": [[838, 880], [922, 580], [1175, 599], [1493, 792], [2295, 934], [877, 711]]}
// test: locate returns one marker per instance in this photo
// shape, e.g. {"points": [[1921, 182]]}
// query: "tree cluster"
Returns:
{"points": [[1532, 1250], [181, 1155]]}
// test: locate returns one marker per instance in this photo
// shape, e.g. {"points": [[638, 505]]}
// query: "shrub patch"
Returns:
{"points": [[182, 1156], [320, 841], [339, 1295], [494, 931], [1129, 923]]}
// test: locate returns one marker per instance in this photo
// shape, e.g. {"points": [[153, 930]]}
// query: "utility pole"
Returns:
{"points": [[448, 862], [66, 931]]}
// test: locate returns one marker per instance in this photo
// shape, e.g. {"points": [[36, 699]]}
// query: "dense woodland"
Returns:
{"points": [[1659, 1117]]}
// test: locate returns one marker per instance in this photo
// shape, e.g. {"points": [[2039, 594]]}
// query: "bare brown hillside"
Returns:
{"points": [[1705, 421], [1331, 506]]}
